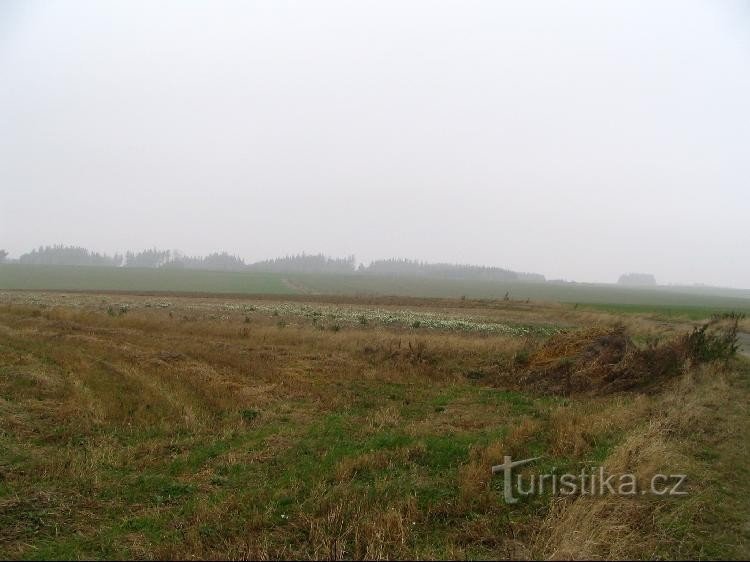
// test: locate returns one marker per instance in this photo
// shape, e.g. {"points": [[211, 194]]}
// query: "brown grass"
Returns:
{"points": [[694, 411], [187, 432]]}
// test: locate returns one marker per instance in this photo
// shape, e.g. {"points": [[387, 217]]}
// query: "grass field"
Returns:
{"points": [[69, 278], [166, 426], [666, 312], [694, 302]]}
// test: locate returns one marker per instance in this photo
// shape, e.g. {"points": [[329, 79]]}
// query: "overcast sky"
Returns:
{"points": [[575, 139]]}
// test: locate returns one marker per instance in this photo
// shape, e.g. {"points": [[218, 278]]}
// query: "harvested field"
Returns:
{"points": [[192, 427]]}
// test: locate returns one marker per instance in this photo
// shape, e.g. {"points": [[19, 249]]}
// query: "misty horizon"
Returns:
{"points": [[579, 141], [176, 256]]}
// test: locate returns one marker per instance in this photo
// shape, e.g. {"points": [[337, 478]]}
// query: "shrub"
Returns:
{"points": [[250, 414], [704, 344]]}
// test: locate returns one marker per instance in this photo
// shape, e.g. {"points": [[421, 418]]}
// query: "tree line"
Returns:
{"points": [[399, 267], [69, 255], [300, 263], [149, 258]]}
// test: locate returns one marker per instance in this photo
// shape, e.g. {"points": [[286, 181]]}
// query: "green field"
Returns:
{"points": [[685, 301], [73, 278], [590, 293], [662, 311]]}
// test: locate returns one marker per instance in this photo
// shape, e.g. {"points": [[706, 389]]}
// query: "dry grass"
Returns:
{"points": [[700, 409], [575, 427], [190, 432]]}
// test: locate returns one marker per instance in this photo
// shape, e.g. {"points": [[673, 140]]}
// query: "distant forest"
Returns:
{"points": [[302, 263], [637, 280], [445, 271]]}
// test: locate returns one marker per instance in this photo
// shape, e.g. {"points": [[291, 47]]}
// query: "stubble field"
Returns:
{"points": [[166, 426]]}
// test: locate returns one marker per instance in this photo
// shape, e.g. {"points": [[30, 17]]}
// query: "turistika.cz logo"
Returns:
{"points": [[593, 481]]}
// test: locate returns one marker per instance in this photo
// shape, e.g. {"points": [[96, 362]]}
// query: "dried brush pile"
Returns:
{"points": [[606, 360]]}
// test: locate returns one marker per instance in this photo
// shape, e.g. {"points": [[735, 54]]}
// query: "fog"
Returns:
{"points": [[580, 140]]}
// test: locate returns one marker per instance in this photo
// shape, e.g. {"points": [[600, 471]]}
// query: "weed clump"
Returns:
{"points": [[716, 340], [249, 415], [117, 312]]}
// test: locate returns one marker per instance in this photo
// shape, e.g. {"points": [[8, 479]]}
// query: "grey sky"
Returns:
{"points": [[574, 139]]}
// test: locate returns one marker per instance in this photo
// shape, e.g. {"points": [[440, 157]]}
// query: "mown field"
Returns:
{"points": [[694, 302], [166, 426]]}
